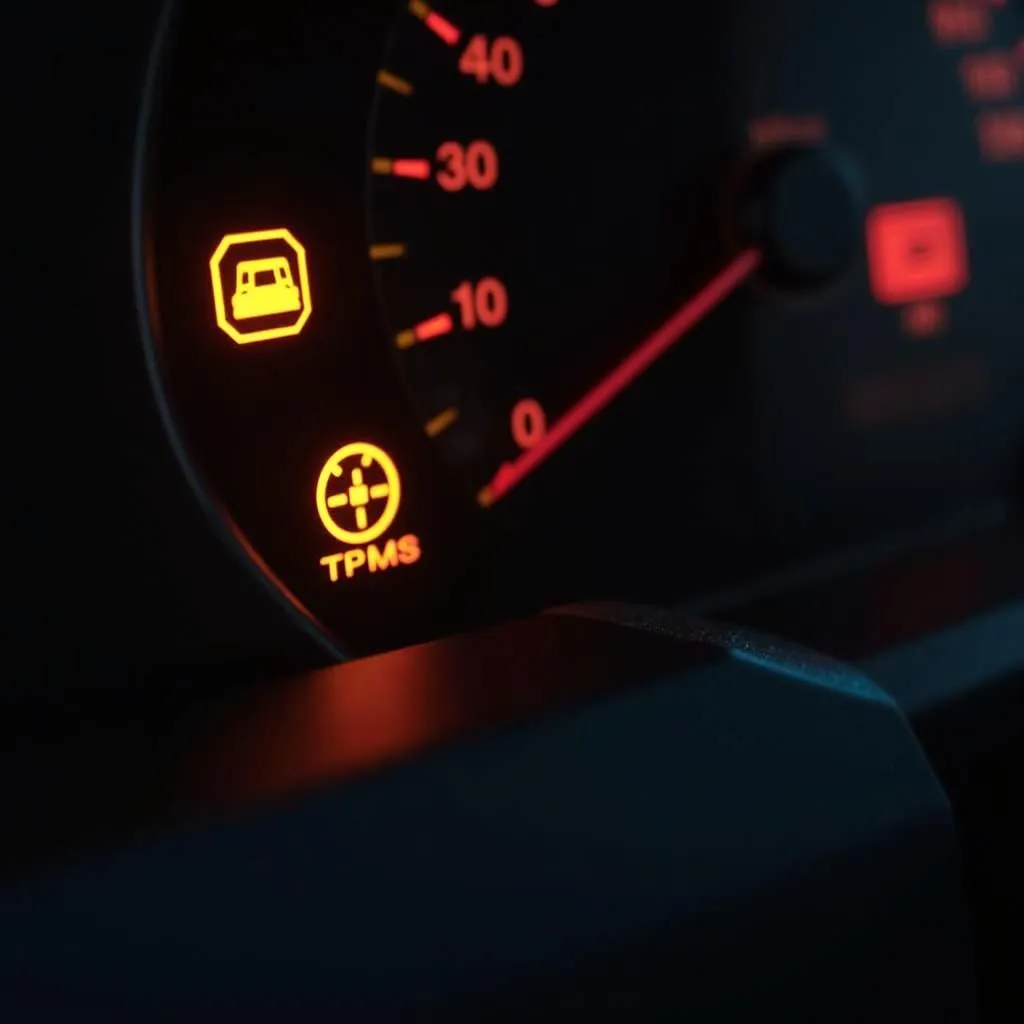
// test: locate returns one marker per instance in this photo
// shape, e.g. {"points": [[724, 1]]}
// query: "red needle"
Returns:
{"points": [[642, 357]]}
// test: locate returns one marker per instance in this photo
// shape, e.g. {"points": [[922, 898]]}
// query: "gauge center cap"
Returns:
{"points": [[804, 208]]}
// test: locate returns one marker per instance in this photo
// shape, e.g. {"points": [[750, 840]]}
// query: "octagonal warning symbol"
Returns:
{"points": [[260, 285]]}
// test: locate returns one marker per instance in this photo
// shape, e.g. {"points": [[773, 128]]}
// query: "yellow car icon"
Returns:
{"points": [[264, 288]]}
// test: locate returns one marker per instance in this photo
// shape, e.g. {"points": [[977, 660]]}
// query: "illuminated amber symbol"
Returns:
{"points": [[263, 285], [264, 288], [369, 502]]}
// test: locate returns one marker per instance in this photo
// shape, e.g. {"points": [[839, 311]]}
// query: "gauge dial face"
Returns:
{"points": [[462, 309], [554, 189]]}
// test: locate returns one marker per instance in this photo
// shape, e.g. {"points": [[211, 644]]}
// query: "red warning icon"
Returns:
{"points": [[917, 251]]}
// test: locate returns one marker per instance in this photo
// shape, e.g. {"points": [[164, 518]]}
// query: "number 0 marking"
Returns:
{"points": [[529, 424]]}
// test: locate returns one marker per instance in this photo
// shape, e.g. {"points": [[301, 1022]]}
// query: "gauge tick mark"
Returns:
{"points": [[391, 81], [439, 25], [441, 422], [402, 168], [388, 251], [435, 327]]}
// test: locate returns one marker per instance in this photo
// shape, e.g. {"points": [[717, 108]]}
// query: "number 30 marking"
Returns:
{"points": [[475, 165]]}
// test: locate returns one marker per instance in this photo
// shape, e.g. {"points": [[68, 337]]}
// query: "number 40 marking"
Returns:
{"points": [[500, 60]]}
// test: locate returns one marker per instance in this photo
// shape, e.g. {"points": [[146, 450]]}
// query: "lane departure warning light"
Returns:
{"points": [[358, 493], [260, 286], [917, 251]]}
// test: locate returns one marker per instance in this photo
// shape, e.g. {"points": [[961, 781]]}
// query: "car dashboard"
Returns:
{"points": [[523, 514]]}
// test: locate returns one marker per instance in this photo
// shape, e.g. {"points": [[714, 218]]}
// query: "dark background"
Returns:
{"points": [[103, 519]]}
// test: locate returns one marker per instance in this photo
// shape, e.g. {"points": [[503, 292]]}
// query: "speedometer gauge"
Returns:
{"points": [[466, 308], [574, 192]]}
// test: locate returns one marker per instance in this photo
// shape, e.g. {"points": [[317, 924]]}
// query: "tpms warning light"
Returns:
{"points": [[358, 495], [917, 251], [260, 285]]}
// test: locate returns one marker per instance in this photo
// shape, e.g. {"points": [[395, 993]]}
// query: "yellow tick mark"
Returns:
{"points": [[394, 83], [387, 251], [441, 422], [418, 9], [406, 339], [380, 165]]}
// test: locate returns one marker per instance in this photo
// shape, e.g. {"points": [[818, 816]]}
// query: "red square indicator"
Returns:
{"points": [[917, 251]]}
